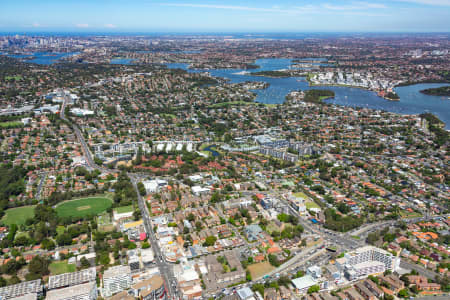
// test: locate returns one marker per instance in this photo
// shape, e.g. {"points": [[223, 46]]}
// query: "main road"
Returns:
{"points": [[164, 267], [86, 151]]}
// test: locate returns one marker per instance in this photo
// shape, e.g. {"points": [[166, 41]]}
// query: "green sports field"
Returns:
{"points": [[83, 207], [18, 215], [311, 204]]}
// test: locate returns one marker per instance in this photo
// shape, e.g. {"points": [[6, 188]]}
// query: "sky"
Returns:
{"points": [[224, 16]]}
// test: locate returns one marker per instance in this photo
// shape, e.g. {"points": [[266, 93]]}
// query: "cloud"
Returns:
{"points": [[82, 25], [428, 2], [110, 26], [36, 25], [354, 6], [228, 7]]}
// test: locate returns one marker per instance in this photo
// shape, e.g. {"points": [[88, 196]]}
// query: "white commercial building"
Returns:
{"points": [[153, 186], [302, 284], [147, 256], [81, 112], [116, 279], [85, 291], [198, 190]]}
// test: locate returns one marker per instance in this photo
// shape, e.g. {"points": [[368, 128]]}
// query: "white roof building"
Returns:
{"points": [[245, 294], [85, 291], [198, 190], [302, 284]]}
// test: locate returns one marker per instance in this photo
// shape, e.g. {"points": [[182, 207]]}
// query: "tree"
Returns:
{"points": [[210, 241], [137, 214], [248, 275], [39, 266], [14, 280], [64, 239], [85, 263], [11, 267], [104, 259], [299, 274], [258, 287], [47, 244], [2, 281], [313, 289], [198, 225], [343, 208], [284, 280], [374, 279], [273, 260], [215, 198], [388, 297], [403, 293], [141, 189], [389, 237], [190, 217], [145, 245], [21, 240]]}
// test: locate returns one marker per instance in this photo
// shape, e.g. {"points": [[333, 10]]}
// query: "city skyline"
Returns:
{"points": [[118, 16]]}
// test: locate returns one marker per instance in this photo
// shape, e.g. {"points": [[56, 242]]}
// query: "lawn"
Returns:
{"points": [[260, 269], [83, 207], [301, 195], [311, 204], [406, 214], [18, 215], [169, 116], [61, 267], [20, 234], [11, 124], [16, 77], [123, 209]]}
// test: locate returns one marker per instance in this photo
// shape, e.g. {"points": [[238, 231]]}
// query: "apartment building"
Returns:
{"points": [[365, 261], [71, 279], [32, 288], [85, 291], [116, 279]]}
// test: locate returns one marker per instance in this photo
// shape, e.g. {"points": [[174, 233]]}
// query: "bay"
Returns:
{"points": [[41, 58], [411, 100]]}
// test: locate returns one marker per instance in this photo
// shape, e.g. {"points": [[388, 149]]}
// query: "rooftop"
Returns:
{"points": [[71, 292], [303, 282], [116, 271], [21, 289], [70, 279]]}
